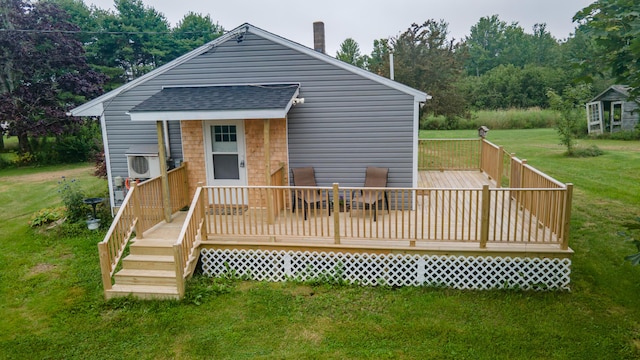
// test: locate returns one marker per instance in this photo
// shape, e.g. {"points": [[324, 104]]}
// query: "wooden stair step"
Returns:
{"points": [[143, 292], [149, 262], [151, 247], [145, 277]]}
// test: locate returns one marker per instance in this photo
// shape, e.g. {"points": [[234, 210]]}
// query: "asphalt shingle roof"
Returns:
{"points": [[219, 98]]}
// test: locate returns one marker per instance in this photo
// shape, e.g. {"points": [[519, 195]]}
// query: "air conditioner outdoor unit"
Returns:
{"points": [[143, 161]]}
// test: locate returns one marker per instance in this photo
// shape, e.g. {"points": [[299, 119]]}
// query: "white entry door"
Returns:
{"points": [[225, 154]]}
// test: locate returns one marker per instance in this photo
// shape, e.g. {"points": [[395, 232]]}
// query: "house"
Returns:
{"points": [[612, 111], [233, 117], [220, 106]]}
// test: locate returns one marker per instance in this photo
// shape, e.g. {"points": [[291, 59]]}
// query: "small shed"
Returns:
{"points": [[612, 111]]}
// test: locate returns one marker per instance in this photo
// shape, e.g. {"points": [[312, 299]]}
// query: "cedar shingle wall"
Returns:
{"points": [[193, 148], [193, 151], [254, 139]]}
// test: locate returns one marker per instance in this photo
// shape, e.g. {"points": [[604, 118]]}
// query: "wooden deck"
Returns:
{"points": [[456, 227], [443, 222], [471, 179]]}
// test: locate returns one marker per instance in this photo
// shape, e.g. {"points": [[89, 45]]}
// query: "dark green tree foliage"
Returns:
{"points": [[43, 73], [349, 52], [509, 68], [425, 59], [493, 42], [82, 16], [545, 49], [486, 44], [508, 86], [379, 59], [614, 25], [577, 55], [194, 30], [136, 39]]}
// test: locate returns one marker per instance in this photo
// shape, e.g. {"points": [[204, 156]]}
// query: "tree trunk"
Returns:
{"points": [[23, 143], [1, 142]]}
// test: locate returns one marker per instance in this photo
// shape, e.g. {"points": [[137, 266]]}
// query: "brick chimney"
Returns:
{"points": [[318, 37]]}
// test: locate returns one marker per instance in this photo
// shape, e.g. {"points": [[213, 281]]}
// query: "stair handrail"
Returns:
{"points": [[191, 234], [115, 241]]}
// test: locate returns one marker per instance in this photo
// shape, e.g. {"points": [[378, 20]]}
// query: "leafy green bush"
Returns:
{"points": [[46, 216], [621, 135], [5, 163], [533, 118], [432, 122], [591, 151], [25, 159], [81, 145], [72, 196]]}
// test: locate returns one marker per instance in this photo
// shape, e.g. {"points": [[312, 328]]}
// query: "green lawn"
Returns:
{"points": [[51, 302]]}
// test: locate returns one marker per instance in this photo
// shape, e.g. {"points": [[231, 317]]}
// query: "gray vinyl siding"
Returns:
{"points": [[347, 122]]}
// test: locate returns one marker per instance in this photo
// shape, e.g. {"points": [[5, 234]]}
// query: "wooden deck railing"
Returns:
{"points": [[491, 161], [506, 170], [449, 154], [504, 215], [192, 233], [532, 208], [141, 209]]}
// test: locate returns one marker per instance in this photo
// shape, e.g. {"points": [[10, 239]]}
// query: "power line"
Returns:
{"points": [[102, 32]]}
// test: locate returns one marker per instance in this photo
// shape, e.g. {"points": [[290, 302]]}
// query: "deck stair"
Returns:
{"points": [[148, 272]]}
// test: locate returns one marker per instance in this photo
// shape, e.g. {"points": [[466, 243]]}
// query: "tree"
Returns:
{"points": [[194, 30], [425, 59], [349, 52], [614, 26], [571, 108], [508, 86], [545, 49], [492, 42], [44, 72], [135, 40], [379, 59]]}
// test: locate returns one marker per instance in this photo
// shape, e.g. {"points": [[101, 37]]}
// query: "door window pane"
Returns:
{"points": [[225, 138], [225, 166]]}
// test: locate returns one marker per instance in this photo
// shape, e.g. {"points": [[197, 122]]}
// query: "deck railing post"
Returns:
{"points": [[484, 226], [137, 210], [336, 213], [481, 158], [164, 178], [187, 199], [105, 265], [500, 166], [203, 210], [180, 263], [567, 216]]}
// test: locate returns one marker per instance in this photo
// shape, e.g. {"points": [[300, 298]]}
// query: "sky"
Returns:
{"points": [[368, 20]]}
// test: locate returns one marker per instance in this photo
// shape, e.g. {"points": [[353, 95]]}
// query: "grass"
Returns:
{"points": [[496, 119], [8, 155], [51, 301]]}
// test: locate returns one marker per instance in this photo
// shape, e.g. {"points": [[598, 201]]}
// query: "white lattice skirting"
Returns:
{"points": [[459, 272]]}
